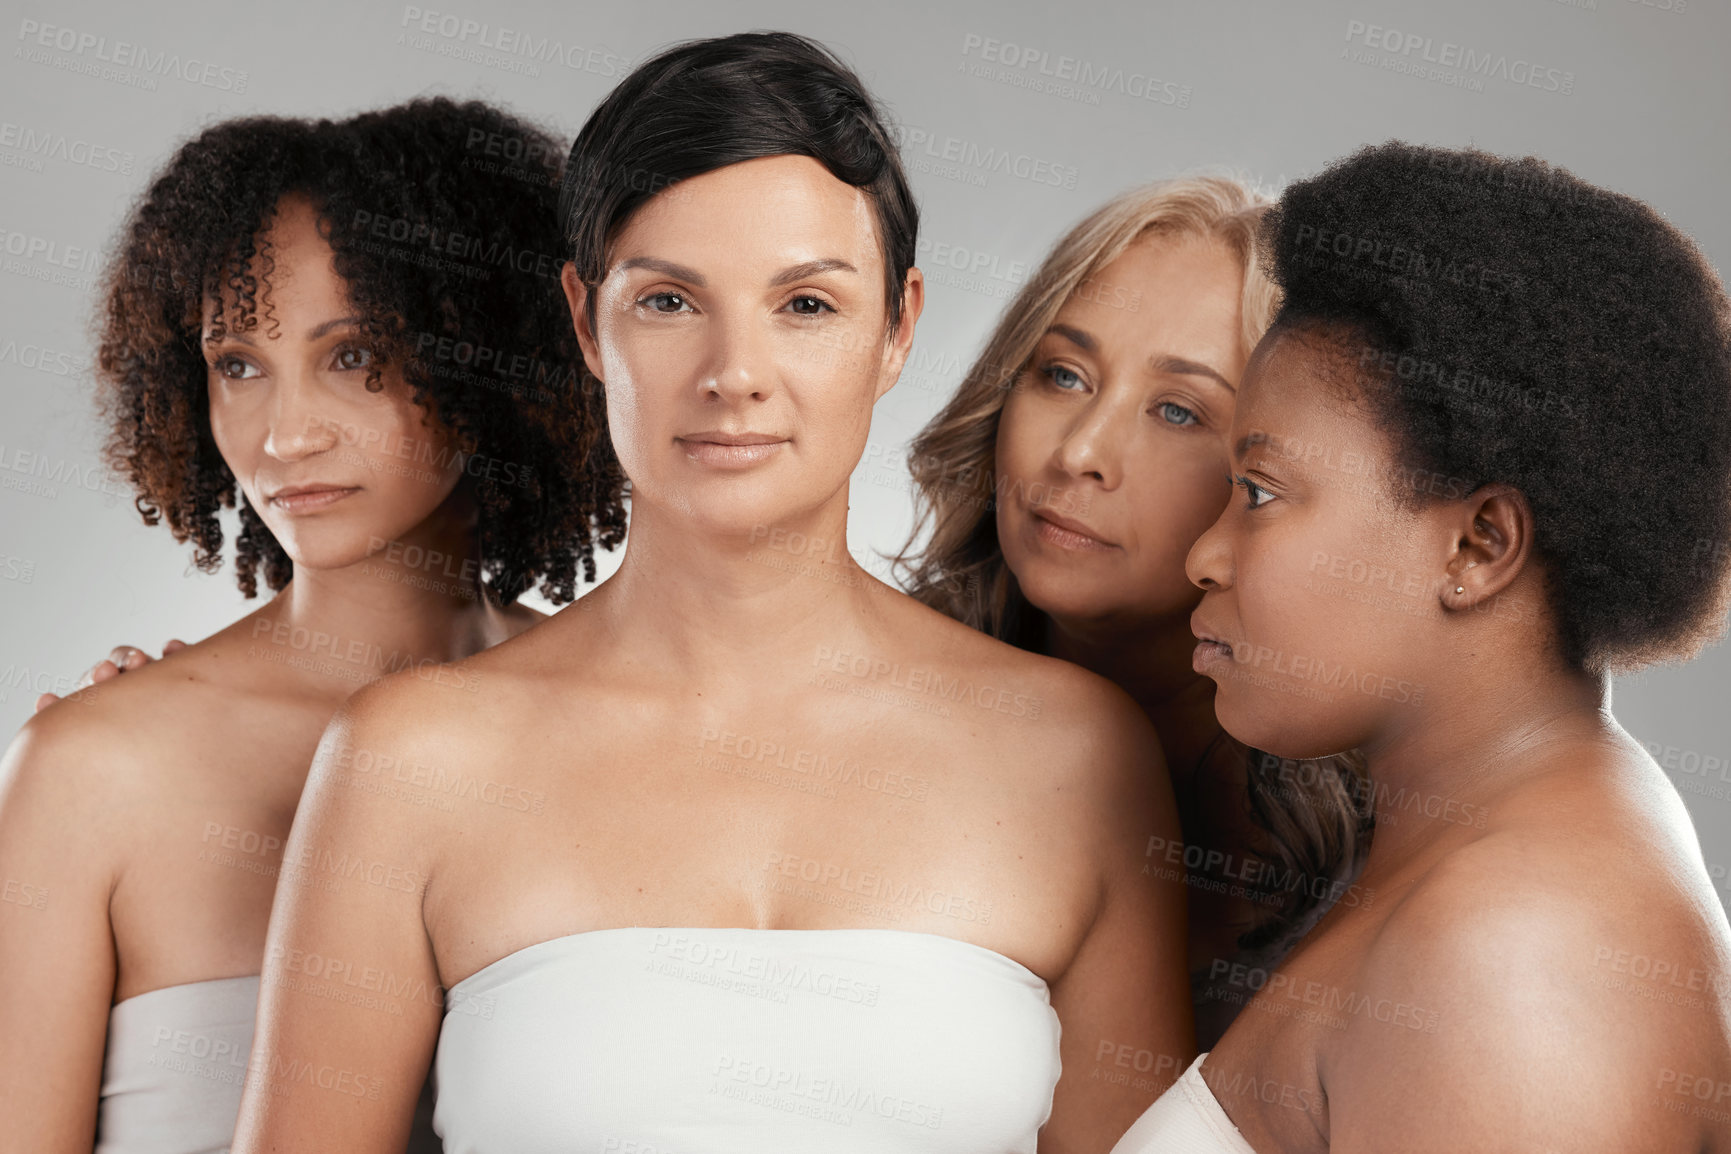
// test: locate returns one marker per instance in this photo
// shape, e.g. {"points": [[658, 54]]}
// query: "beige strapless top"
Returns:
{"points": [[1186, 1119]]}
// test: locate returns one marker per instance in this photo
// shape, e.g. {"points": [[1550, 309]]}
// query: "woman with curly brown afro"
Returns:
{"points": [[1507, 394], [353, 332]]}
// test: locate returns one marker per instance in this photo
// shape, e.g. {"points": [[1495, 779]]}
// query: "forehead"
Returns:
{"points": [[764, 210], [1299, 400], [1174, 292], [294, 268]]}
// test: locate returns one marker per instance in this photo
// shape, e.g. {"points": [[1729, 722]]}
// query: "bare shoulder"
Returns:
{"points": [[115, 740], [83, 772], [1084, 737], [1059, 694], [1566, 928], [1597, 845]]}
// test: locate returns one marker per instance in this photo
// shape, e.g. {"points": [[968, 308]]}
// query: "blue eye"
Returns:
{"points": [[1050, 372], [1176, 414], [1252, 491]]}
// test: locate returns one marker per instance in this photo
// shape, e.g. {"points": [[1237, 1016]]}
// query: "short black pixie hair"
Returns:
{"points": [[705, 104], [1522, 326], [450, 258]]}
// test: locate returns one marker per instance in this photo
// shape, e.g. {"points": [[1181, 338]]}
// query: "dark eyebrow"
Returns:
{"points": [[811, 268], [665, 268], [692, 276], [1247, 440], [313, 334]]}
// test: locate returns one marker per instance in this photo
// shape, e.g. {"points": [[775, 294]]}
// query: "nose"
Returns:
{"points": [[1093, 446], [1209, 563], [740, 366], [298, 429]]}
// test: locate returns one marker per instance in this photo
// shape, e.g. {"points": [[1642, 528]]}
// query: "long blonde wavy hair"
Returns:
{"points": [[1319, 827]]}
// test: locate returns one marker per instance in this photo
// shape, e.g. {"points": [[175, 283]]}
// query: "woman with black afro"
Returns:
{"points": [[353, 332], [1485, 459]]}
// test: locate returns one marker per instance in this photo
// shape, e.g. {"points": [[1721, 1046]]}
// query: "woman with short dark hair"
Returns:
{"points": [[818, 868]]}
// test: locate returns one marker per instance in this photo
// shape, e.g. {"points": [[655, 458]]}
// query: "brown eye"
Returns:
{"points": [[354, 357], [235, 368], [822, 306]]}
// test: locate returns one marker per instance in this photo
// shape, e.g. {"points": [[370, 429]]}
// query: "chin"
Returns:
{"points": [[1285, 728]]}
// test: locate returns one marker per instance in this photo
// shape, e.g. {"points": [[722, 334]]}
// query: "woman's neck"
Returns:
{"points": [[711, 603], [1149, 660], [1481, 728], [415, 602]]}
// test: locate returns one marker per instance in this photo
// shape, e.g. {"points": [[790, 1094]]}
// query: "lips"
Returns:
{"points": [[730, 450], [1210, 648], [309, 498], [1068, 534]]}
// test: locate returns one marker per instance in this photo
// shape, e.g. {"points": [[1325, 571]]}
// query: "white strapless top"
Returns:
{"points": [[1186, 1119], [742, 1041], [175, 1068]]}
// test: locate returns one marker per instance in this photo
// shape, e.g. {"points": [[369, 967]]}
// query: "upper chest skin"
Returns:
{"points": [[798, 805]]}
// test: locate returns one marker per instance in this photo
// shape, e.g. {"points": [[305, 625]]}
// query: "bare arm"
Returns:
{"points": [[58, 846], [350, 1003], [1124, 1003]]}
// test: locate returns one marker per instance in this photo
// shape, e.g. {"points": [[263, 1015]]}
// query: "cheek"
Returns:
{"points": [[1175, 493], [239, 433], [1024, 439]]}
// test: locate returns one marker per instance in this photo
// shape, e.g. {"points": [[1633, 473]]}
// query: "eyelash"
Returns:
{"points": [[1195, 418], [1050, 372], [1251, 488], [336, 361], [680, 297]]}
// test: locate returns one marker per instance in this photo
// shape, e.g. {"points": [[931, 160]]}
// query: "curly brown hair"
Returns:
{"points": [[451, 258]]}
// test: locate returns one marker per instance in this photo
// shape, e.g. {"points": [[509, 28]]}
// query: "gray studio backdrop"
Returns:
{"points": [[1015, 120]]}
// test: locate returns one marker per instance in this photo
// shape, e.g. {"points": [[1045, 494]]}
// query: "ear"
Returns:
{"points": [[1493, 540], [901, 342], [577, 297]]}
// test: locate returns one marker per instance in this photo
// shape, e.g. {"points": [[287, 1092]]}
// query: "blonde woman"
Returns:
{"points": [[1094, 420]]}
